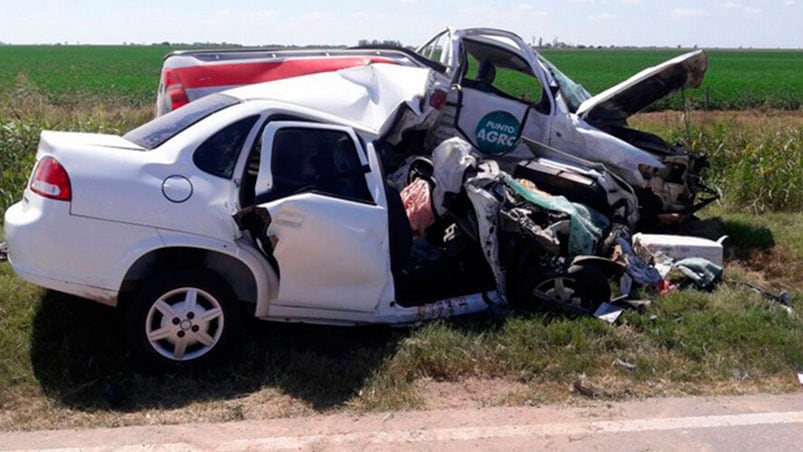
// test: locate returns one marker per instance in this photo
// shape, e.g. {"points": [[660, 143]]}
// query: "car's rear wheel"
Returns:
{"points": [[183, 318]]}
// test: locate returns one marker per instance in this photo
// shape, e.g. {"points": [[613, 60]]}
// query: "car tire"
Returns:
{"points": [[187, 318], [580, 289]]}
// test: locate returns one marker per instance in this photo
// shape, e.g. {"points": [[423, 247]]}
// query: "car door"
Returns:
{"points": [[499, 100], [329, 231]]}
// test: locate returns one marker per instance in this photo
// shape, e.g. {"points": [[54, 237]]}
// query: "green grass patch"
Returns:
{"points": [[75, 75]]}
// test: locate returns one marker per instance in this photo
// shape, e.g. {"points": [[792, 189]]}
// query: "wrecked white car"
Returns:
{"points": [[272, 199]]}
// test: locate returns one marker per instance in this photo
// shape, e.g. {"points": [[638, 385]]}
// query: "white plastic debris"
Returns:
{"points": [[678, 247]]}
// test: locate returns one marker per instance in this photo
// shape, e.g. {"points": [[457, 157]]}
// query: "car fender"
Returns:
{"points": [[583, 140], [265, 278]]}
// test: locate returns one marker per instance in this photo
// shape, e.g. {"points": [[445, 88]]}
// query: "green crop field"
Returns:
{"points": [[75, 75], [735, 80]]}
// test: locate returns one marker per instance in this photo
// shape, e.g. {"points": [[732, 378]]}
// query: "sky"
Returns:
{"points": [[705, 23]]}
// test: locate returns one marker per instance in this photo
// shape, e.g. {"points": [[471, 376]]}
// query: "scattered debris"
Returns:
{"points": [[702, 272], [782, 298], [627, 302], [3, 252], [608, 312], [625, 365]]}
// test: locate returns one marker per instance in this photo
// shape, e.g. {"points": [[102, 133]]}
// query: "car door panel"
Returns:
{"points": [[329, 239]]}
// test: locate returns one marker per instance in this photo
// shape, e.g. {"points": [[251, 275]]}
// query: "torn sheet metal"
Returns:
{"points": [[586, 225], [487, 208]]}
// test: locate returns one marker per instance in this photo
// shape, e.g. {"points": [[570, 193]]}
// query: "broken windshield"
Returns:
{"points": [[574, 93]]}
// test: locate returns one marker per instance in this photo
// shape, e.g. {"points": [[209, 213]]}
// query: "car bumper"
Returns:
{"points": [[87, 257]]}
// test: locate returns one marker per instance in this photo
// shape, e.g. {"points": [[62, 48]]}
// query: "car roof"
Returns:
{"points": [[368, 96]]}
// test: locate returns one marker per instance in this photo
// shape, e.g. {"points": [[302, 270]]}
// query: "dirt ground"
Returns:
{"points": [[760, 422]]}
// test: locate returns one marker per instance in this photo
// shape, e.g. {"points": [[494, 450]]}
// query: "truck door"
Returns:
{"points": [[329, 226], [499, 100]]}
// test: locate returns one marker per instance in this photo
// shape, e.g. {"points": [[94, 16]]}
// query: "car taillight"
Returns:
{"points": [[438, 99], [174, 90], [50, 180]]}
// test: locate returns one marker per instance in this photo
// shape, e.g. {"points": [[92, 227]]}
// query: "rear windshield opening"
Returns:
{"points": [[154, 133]]}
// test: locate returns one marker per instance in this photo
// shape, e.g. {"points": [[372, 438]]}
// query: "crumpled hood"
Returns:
{"points": [[639, 91]]}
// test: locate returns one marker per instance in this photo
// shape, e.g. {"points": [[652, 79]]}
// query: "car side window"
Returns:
{"points": [[504, 74], [218, 154], [316, 160]]}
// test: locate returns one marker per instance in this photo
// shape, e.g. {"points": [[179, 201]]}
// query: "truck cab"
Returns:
{"points": [[498, 89]]}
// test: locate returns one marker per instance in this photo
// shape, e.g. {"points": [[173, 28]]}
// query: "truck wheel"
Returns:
{"points": [[578, 290], [581, 289], [180, 319]]}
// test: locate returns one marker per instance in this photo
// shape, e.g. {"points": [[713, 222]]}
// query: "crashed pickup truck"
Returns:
{"points": [[273, 200], [493, 89]]}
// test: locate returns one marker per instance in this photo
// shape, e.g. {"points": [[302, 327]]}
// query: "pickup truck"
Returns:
{"points": [[472, 89]]}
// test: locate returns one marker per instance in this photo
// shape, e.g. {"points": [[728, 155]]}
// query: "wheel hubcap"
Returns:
{"points": [[561, 290], [184, 324]]}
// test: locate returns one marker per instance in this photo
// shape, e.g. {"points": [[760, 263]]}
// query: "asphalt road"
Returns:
{"points": [[741, 423]]}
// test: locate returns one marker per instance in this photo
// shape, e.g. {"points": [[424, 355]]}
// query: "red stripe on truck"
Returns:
{"points": [[247, 73]]}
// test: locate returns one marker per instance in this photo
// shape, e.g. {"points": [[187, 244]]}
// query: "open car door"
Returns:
{"points": [[328, 228], [499, 99]]}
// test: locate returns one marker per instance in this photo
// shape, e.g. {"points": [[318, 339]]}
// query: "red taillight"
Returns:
{"points": [[174, 90], [50, 180], [438, 99]]}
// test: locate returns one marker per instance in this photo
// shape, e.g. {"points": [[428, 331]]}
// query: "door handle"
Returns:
{"points": [[290, 218]]}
